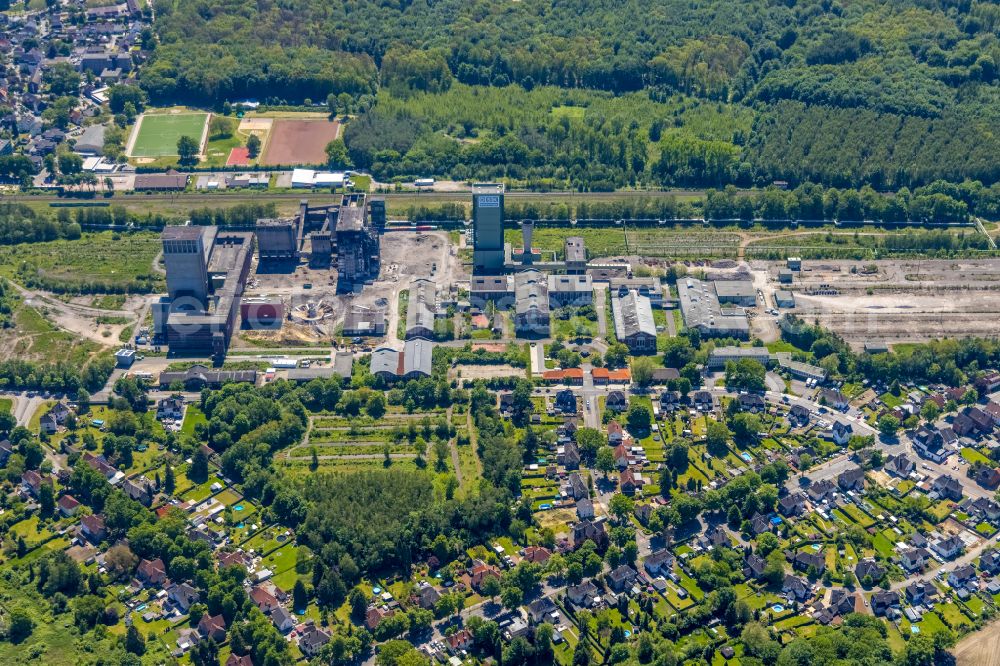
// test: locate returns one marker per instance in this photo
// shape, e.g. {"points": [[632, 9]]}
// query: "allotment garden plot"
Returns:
{"points": [[338, 443]]}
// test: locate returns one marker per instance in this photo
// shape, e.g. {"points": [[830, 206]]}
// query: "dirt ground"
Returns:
{"points": [[299, 141], [405, 255], [893, 301], [980, 648]]}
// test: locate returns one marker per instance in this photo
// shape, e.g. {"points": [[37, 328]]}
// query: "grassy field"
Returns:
{"points": [[158, 133], [104, 258]]}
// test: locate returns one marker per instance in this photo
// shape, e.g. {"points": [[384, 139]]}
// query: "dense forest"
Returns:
{"points": [[599, 94]]}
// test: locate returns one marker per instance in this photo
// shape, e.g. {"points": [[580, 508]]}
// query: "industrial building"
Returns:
{"points": [[531, 307], [784, 299], [206, 271], [649, 287], [350, 228], [487, 228], [365, 322], [702, 310], [198, 377], [262, 312], [634, 325], [413, 362], [358, 242], [421, 308], [495, 289], [736, 292], [575, 255], [571, 290]]}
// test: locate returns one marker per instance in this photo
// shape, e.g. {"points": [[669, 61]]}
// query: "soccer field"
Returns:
{"points": [[158, 134]]}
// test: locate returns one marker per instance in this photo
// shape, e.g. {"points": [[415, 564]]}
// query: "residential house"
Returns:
{"points": [[312, 641], [183, 596], [972, 422], [754, 566], [427, 596], [759, 524], [659, 563], [791, 504], [852, 479], [263, 600], [583, 595], [541, 609], [752, 402], [627, 482], [92, 528], [616, 401], [947, 487], [615, 433], [804, 560], [883, 600], [899, 465], [570, 456], [31, 482], [537, 554], [621, 454], [821, 490], [930, 442], [670, 401], [621, 578], [460, 640], [798, 415], [576, 487], [990, 561], [566, 401], [67, 505], [213, 627], [841, 432], [984, 508], [587, 530], [235, 660], [703, 401], [869, 568], [796, 588], [479, 572], [832, 398], [948, 547], [375, 615], [152, 572], [282, 620], [914, 559], [988, 477], [643, 512], [584, 509], [963, 576], [170, 408]]}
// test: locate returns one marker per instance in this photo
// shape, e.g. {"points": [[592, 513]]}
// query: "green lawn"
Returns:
{"points": [[158, 133], [974, 456]]}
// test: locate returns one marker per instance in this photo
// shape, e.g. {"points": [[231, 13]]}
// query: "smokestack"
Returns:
{"points": [[527, 228]]}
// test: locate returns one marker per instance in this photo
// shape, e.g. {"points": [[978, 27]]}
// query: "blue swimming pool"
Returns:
{"points": [[238, 507], [778, 608], [545, 506], [914, 629], [746, 457], [815, 546]]}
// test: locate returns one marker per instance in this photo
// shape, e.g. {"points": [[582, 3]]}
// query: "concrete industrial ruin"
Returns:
{"points": [[207, 270], [350, 229]]}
